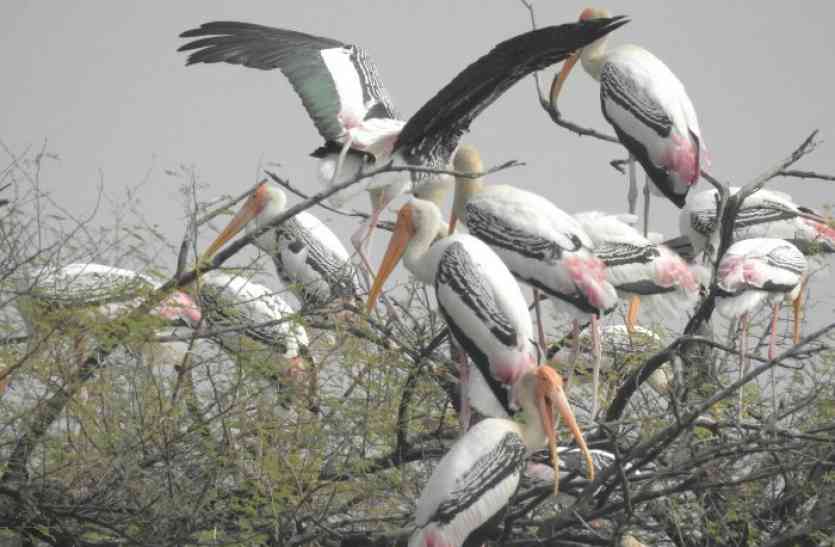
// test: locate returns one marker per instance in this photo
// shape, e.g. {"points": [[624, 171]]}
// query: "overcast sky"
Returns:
{"points": [[103, 83]]}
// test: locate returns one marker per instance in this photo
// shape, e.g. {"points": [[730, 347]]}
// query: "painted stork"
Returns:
{"points": [[74, 298], [240, 308], [539, 243], [474, 481], [635, 266], [308, 256], [650, 111], [755, 271], [341, 90], [765, 213], [106, 290], [477, 296]]}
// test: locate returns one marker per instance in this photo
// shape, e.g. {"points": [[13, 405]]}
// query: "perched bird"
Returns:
{"points": [[765, 213], [648, 108], [477, 296], [104, 290], [637, 267], [474, 481], [341, 90], [238, 308], [308, 256], [539, 243], [756, 271]]}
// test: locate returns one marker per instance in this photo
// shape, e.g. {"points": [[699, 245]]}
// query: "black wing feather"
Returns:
{"points": [[298, 56], [433, 132]]}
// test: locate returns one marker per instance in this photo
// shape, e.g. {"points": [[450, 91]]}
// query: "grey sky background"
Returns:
{"points": [[102, 81]]}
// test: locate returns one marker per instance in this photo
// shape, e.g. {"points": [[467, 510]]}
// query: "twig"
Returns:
{"points": [[805, 175], [663, 438], [229, 203]]}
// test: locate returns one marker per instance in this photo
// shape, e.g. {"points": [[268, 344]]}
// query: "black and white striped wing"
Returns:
{"points": [[246, 308], [312, 259], [432, 134], [471, 484], [630, 267], [89, 285], [332, 78]]}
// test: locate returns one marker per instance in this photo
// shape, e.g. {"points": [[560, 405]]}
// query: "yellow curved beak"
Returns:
{"points": [[555, 398], [556, 85], [248, 211], [402, 234]]}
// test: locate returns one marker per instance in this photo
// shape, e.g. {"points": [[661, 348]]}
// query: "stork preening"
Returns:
{"points": [[342, 93], [765, 213], [474, 481], [541, 245], [477, 296], [636, 266], [650, 111], [308, 256], [756, 271]]}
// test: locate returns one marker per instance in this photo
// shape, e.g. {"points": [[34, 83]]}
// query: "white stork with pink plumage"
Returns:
{"points": [[648, 108]]}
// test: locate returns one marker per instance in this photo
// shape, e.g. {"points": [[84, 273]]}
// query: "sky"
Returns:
{"points": [[102, 84]]}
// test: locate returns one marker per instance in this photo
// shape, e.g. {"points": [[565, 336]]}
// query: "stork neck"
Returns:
{"points": [[464, 190], [434, 191], [416, 257], [593, 56]]}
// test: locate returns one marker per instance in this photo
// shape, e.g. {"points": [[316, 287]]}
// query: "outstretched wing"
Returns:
{"points": [[433, 132], [333, 79]]}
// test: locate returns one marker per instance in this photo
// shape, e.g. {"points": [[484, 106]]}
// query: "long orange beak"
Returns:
{"points": [[249, 210], [553, 397], [556, 85], [402, 234]]}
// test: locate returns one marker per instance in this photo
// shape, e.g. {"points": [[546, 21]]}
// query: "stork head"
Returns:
{"points": [[590, 14], [266, 202], [467, 160], [540, 391], [587, 14]]}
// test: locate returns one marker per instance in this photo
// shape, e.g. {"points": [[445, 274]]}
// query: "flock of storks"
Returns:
{"points": [[582, 263]]}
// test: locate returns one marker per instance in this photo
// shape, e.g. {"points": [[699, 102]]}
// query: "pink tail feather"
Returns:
{"points": [[672, 271], [589, 275]]}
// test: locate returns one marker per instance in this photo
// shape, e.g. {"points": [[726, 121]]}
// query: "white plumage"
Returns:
{"points": [[477, 295], [308, 256], [475, 480], [254, 310], [756, 270], [765, 213], [649, 109], [109, 289]]}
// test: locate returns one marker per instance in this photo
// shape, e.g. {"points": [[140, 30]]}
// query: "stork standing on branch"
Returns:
{"points": [[650, 111], [540, 244], [756, 271], [478, 298]]}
